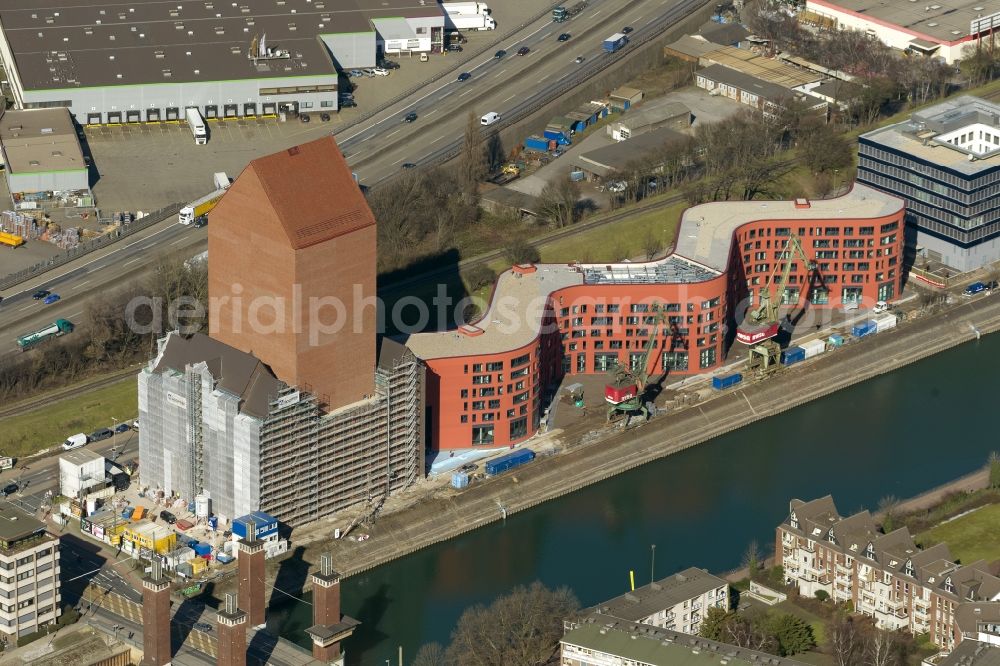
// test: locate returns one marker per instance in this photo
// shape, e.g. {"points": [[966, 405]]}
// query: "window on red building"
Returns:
{"points": [[482, 435]]}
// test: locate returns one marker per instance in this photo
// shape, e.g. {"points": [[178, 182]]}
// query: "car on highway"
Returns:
{"points": [[40, 294], [9, 489], [203, 626], [464, 76], [627, 29], [101, 433], [122, 427], [524, 50], [410, 117], [578, 60], [499, 54], [564, 37], [50, 299], [409, 165], [974, 288]]}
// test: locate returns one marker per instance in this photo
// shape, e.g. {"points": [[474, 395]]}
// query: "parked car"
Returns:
{"points": [[464, 76], [524, 50], [356, 72], [454, 47], [578, 60], [50, 299], [168, 517], [304, 117], [499, 54], [410, 117], [75, 442], [9, 489], [468, 467], [122, 427], [203, 626], [368, 71], [379, 71], [135, 424], [325, 117], [880, 307], [974, 288], [40, 294], [557, 153], [626, 30], [348, 104], [564, 37], [102, 433], [388, 64]]}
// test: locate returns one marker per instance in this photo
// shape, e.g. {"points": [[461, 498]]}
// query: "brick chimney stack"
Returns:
{"points": [[156, 618], [329, 626], [250, 559], [231, 624]]}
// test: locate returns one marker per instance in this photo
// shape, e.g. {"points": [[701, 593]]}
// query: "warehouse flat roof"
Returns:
{"points": [[618, 155], [81, 43], [706, 231], [766, 90], [704, 240], [946, 21], [40, 140], [961, 134]]}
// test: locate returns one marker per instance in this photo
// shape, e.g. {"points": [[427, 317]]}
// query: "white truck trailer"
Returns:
{"points": [[465, 8], [469, 22], [197, 125]]}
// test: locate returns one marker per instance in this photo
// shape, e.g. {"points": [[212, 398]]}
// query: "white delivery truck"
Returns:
{"points": [[75, 442], [197, 125], [466, 8], [469, 22]]}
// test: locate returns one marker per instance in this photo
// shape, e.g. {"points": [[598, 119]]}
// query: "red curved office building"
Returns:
{"points": [[486, 381]]}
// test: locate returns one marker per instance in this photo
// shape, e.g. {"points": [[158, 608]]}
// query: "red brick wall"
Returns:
{"points": [[156, 626], [251, 591]]}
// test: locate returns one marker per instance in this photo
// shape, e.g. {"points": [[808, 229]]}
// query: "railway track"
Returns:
{"points": [[59, 395]]}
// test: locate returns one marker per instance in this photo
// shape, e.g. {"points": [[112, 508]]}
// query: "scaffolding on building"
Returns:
{"points": [[314, 464]]}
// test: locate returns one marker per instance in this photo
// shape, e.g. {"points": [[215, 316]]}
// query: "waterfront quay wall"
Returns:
{"points": [[436, 519]]}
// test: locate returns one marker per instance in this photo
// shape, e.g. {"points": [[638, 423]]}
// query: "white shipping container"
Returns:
{"points": [[884, 322], [813, 348]]}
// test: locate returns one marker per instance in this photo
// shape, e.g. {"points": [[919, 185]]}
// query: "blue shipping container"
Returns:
{"points": [[265, 525], [863, 329], [509, 461], [202, 549], [556, 134], [793, 355], [536, 143], [720, 383]]}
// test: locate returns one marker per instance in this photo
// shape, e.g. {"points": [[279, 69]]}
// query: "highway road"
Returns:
{"points": [[511, 84], [107, 269]]}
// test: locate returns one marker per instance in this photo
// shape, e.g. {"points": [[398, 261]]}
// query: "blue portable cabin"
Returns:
{"points": [[556, 134], [264, 526], [509, 461], [793, 355], [459, 480], [721, 383], [202, 549], [561, 123], [537, 143], [864, 328], [578, 121]]}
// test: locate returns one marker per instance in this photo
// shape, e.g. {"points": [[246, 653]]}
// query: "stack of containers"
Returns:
{"points": [[813, 348]]}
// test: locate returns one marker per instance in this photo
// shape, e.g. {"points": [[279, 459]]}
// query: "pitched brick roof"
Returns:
{"points": [[312, 192]]}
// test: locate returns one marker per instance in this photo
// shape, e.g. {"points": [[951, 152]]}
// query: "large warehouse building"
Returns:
{"points": [[280, 410], [487, 381], [936, 29], [148, 61], [945, 163]]}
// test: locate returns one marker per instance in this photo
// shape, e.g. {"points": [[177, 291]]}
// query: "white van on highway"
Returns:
{"points": [[490, 118], [75, 442]]}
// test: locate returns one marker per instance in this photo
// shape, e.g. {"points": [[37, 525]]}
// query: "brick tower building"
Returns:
{"points": [[329, 627], [294, 236], [156, 618]]}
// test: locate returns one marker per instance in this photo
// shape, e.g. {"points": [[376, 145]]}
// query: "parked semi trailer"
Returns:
{"points": [[560, 14], [469, 22], [53, 330], [465, 8]]}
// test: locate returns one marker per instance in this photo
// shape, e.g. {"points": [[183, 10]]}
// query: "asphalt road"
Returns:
{"points": [[506, 85], [109, 268]]}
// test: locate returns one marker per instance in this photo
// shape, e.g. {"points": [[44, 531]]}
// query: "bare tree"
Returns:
{"points": [[882, 648], [558, 202], [431, 654], [523, 627], [752, 558], [473, 161], [741, 630], [651, 244], [845, 643]]}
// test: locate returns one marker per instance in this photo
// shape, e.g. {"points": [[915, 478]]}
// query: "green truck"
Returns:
{"points": [[53, 330], [560, 14]]}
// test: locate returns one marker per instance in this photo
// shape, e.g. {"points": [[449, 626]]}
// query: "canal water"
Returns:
{"points": [[899, 434]]}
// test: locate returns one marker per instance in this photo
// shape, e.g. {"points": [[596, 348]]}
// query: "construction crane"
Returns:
{"points": [[761, 323], [626, 393]]}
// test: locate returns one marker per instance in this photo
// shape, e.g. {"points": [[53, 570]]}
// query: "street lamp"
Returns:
{"points": [[652, 563], [114, 438]]}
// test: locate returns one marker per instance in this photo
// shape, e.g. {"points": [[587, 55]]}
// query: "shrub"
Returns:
{"points": [[822, 595], [479, 276]]}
